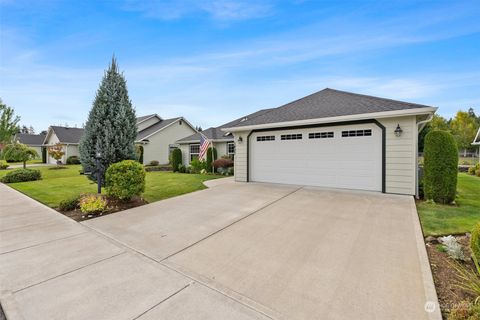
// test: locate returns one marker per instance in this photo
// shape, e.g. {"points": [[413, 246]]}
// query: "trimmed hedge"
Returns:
{"points": [[211, 156], [222, 163], [440, 167], [69, 204], [125, 179], [73, 160], [176, 159], [22, 175]]}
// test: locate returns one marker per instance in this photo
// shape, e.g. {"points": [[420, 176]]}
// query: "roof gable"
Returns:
{"points": [[328, 103], [30, 139], [66, 134]]}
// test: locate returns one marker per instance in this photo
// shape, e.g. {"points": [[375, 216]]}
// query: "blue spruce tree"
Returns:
{"points": [[111, 126]]}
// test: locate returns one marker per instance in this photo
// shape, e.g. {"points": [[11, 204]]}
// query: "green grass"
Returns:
{"points": [[445, 219], [57, 185]]}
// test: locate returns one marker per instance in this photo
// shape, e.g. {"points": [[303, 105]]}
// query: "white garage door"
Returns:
{"points": [[338, 157]]}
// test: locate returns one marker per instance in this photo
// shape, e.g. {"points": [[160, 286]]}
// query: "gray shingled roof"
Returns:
{"points": [[155, 127], [217, 133], [139, 119], [68, 135], [30, 139], [328, 103]]}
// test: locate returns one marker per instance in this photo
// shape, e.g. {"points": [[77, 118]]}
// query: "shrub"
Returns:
{"points": [[475, 245], [222, 163], [69, 204], [196, 166], [154, 163], [158, 168], [125, 179], [453, 248], [92, 203], [181, 168], [139, 153], [477, 172], [19, 152], [440, 168], [73, 160], [3, 166], [22, 175], [211, 156], [473, 170], [176, 157]]}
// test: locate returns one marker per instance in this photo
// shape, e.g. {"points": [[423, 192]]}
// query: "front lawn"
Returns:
{"points": [[447, 219], [57, 185]]}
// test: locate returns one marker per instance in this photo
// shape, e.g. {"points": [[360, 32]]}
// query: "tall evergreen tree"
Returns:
{"points": [[111, 126]]}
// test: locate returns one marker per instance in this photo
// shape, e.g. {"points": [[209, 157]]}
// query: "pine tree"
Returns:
{"points": [[111, 126]]}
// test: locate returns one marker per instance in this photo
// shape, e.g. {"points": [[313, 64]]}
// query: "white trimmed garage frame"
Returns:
{"points": [[335, 124]]}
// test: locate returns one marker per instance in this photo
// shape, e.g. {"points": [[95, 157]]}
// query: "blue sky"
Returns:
{"points": [[215, 60]]}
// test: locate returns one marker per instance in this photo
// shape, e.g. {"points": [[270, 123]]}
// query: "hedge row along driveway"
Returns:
{"points": [[58, 185]]}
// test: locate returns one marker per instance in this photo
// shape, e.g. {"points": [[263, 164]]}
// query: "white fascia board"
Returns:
{"points": [[198, 141], [153, 115], [363, 116], [476, 141]]}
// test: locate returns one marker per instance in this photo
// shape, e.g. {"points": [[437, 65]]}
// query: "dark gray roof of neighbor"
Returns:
{"points": [[30, 139], [68, 135], [217, 133], [155, 127], [328, 103], [139, 119]]}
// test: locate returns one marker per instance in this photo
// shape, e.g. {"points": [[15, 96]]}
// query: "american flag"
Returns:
{"points": [[204, 144]]}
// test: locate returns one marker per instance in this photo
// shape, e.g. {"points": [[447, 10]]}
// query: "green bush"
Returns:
{"points": [[3, 166], [92, 203], [473, 170], [69, 204], [176, 159], [475, 245], [18, 152], [181, 168], [197, 165], [22, 175], [211, 156], [125, 179], [465, 310], [73, 160], [153, 163], [440, 167]]}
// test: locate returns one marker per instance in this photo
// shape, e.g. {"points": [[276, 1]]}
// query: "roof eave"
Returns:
{"points": [[362, 116]]}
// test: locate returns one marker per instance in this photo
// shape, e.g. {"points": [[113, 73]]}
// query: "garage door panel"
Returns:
{"points": [[352, 162]]}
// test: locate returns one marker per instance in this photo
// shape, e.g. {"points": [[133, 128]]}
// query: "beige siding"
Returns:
{"points": [[147, 123], [400, 154], [70, 150], [241, 156], [185, 154], [158, 147]]}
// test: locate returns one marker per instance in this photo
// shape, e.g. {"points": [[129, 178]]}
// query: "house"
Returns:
{"points": [[222, 141], [333, 139], [476, 142], [34, 141], [156, 136], [68, 137]]}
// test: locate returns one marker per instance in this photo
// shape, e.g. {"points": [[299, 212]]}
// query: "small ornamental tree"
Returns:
{"points": [[176, 159], [440, 167], [211, 156], [19, 152], [111, 127], [475, 245], [56, 152]]}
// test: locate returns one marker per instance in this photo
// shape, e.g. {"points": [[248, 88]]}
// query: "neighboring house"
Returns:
{"points": [[157, 137], [333, 139], [222, 141], [68, 137], [476, 142], [34, 141]]}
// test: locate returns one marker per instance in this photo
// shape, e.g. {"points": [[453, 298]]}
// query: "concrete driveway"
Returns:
{"points": [[233, 251]]}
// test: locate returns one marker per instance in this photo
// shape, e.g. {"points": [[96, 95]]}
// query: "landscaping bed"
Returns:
{"points": [[445, 276]]}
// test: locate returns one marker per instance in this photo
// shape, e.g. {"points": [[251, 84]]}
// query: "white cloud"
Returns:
{"points": [[224, 10]]}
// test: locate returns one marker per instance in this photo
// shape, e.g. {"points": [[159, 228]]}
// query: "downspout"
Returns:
{"points": [[420, 126]]}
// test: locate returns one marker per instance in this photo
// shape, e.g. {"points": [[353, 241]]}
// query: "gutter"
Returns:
{"points": [[420, 126]]}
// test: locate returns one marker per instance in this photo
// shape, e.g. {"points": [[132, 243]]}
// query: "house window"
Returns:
{"points": [[194, 151], [231, 150], [357, 133], [294, 136], [266, 138], [320, 135]]}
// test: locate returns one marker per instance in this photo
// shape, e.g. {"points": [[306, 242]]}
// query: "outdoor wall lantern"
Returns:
{"points": [[240, 139], [398, 131]]}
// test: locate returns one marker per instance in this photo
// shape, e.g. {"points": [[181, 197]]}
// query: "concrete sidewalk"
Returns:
{"points": [[54, 268]]}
